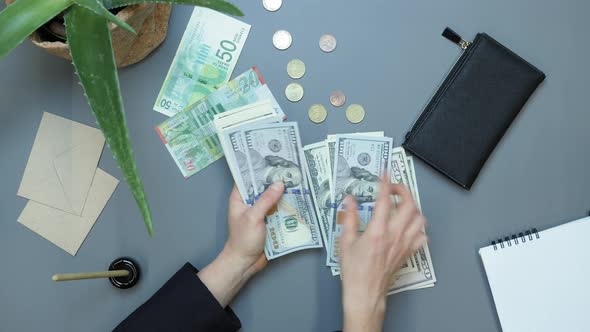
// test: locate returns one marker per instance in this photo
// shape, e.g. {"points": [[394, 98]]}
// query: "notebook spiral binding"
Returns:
{"points": [[511, 240]]}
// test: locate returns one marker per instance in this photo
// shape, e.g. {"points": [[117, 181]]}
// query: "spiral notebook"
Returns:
{"points": [[539, 279]]}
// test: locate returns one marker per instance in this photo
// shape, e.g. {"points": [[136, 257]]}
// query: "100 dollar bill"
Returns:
{"points": [[204, 61], [424, 275], [318, 174], [330, 146], [358, 164], [190, 136], [275, 154]]}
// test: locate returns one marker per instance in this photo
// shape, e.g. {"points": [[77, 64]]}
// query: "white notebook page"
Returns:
{"points": [[542, 285]]}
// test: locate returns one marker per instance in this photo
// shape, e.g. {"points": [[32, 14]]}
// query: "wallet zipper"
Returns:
{"points": [[456, 38], [465, 47]]}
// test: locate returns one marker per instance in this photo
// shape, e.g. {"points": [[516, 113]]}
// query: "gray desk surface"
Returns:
{"points": [[390, 58]]}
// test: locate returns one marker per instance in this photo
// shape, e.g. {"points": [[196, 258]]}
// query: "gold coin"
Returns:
{"points": [[294, 92], [296, 68], [317, 113], [355, 113], [337, 98]]}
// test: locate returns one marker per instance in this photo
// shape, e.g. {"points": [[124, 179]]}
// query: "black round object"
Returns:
{"points": [[125, 263]]}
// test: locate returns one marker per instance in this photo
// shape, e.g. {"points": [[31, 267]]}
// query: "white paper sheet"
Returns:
{"points": [[542, 284]]}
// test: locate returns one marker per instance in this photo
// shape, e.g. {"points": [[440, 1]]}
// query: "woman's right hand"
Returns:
{"points": [[369, 261]]}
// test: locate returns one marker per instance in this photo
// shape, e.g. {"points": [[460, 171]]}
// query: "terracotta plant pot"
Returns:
{"points": [[150, 21]]}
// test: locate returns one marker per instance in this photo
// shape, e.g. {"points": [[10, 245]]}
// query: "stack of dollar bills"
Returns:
{"points": [[351, 165], [261, 150]]}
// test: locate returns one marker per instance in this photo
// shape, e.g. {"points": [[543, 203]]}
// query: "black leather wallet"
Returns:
{"points": [[472, 109]]}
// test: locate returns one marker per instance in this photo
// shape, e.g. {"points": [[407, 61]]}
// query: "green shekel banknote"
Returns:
{"points": [[204, 61], [190, 136]]}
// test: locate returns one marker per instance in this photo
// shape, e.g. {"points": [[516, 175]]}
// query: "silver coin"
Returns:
{"points": [[337, 98], [294, 92], [272, 5], [328, 43], [282, 39]]}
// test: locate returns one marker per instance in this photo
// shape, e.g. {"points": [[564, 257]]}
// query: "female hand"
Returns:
{"points": [[369, 261], [243, 254], [247, 229]]}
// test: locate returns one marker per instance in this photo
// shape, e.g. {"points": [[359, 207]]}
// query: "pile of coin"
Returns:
{"points": [[317, 113]]}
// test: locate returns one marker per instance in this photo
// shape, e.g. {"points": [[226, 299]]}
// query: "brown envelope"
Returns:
{"points": [[66, 230], [62, 164]]}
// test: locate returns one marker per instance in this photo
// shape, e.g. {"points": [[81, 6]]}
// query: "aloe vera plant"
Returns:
{"points": [[89, 40]]}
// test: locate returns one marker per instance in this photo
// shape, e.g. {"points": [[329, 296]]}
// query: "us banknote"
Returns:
{"points": [[318, 174], [251, 113], [358, 164], [206, 57], [273, 153], [232, 139], [331, 142], [424, 275], [237, 159], [191, 137], [407, 267], [260, 112], [422, 278], [399, 172], [412, 173]]}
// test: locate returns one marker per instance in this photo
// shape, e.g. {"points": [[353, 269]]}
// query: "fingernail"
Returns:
{"points": [[347, 200], [277, 186]]}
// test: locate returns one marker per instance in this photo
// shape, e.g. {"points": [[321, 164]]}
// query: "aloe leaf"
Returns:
{"points": [[218, 5], [98, 8], [21, 18], [92, 55]]}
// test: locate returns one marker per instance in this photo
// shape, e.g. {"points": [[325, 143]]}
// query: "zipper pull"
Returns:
{"points": [[455, 38]]}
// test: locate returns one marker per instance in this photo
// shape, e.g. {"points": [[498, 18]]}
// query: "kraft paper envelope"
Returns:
{"points": [[66, 230], [62, 164]]}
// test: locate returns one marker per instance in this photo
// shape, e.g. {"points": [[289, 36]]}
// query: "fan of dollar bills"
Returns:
{"points": [[261, 150]]}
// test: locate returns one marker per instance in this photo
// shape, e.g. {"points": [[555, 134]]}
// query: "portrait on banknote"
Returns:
{"points": [[270, 169], [355, 181]]}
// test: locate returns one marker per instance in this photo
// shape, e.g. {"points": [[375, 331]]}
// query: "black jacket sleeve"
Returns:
{"points": [[183, 304]]}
